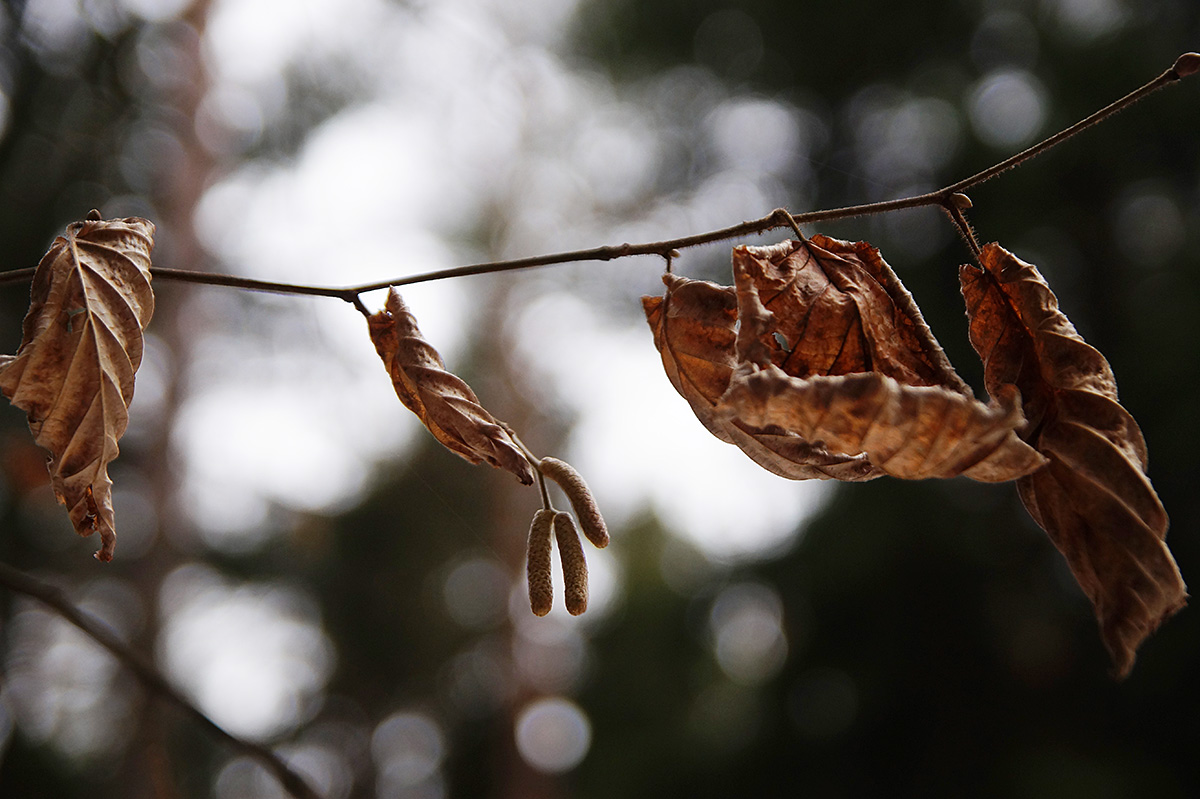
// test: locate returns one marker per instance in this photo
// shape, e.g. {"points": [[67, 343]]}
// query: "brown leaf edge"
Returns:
{"points": [[1094, 498], [443, 402]]}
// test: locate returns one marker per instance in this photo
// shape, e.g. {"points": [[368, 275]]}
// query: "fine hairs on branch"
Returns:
{"points": [[547, 521]]}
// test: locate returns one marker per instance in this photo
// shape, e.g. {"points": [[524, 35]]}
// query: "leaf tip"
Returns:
{"points": [[108, 544]]}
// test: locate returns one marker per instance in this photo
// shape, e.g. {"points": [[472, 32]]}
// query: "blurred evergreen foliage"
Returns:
{"points": [[935, 643]]}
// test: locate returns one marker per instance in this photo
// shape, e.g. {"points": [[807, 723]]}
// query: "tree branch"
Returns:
{"points": [[21, 583], [1187, 64]]}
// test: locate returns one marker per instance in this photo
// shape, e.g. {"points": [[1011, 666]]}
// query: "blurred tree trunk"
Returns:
{"points": [[154, 768]]}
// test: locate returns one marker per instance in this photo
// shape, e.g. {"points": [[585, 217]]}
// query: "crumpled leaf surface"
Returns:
{"points": [[74, 372], [441, 400], [819, 364], [1093, 499], [695, 326]]}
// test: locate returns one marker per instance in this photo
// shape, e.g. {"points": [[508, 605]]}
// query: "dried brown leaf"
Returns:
{"points": [[695, 327], [912, 432], [819, 364], [1094, 498], [840, 309], [82, 344], [441, 400]]}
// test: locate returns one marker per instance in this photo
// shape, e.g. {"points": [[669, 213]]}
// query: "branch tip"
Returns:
{"points": [[1187, 64]]}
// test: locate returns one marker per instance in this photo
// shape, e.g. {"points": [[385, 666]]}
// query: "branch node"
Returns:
{"points": [[785, 218], [960, 201], [955, 206], [354, 299]]}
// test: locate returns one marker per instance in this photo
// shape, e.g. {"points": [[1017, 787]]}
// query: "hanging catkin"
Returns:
{"points": [[580, 496], [541, 587], [575, 574]]}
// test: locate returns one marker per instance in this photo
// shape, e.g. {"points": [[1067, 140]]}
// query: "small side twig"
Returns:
{"points": [[21, 583], [956, 206]]}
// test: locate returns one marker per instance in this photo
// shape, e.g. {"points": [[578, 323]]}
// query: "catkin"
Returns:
{"points": [[570, 551], [582, 501], [541, 587]]}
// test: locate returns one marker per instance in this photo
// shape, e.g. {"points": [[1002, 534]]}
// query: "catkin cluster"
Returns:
{"points": [[548, 521]]}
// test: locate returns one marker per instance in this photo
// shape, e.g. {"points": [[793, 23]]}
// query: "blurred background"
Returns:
{"points": [[307, 565]]}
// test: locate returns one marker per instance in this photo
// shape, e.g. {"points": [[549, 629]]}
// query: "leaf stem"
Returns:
{"points": [[53, 597], [956, 206], [534, 461]]}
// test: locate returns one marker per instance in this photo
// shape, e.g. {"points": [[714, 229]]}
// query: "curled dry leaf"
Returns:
{"points": [[865, 374], [819, 364], [82, 344], [442, 401], [1093, 499], [695, 326]]}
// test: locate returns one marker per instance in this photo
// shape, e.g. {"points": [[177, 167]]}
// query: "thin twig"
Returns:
{"points": [[955, 207], [21, 583], [534, 461], [1185, 65]]}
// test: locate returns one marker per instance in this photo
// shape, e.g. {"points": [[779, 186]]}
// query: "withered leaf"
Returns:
{"points": [[865, 374], [441, 400], [912, 432], [840, 309], [695, 327], [74, 372], [820, 349], [1093, 499]]}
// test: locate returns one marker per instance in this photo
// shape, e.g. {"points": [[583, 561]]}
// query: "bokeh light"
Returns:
{"points": [[746, 625], [553, 734], [62, 687], [1150, 227], [1007, 108], [253, 656], [408, 749]]}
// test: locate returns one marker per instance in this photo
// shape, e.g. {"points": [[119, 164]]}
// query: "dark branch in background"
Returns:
{"points": [[950, 198], [21, 583]]}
